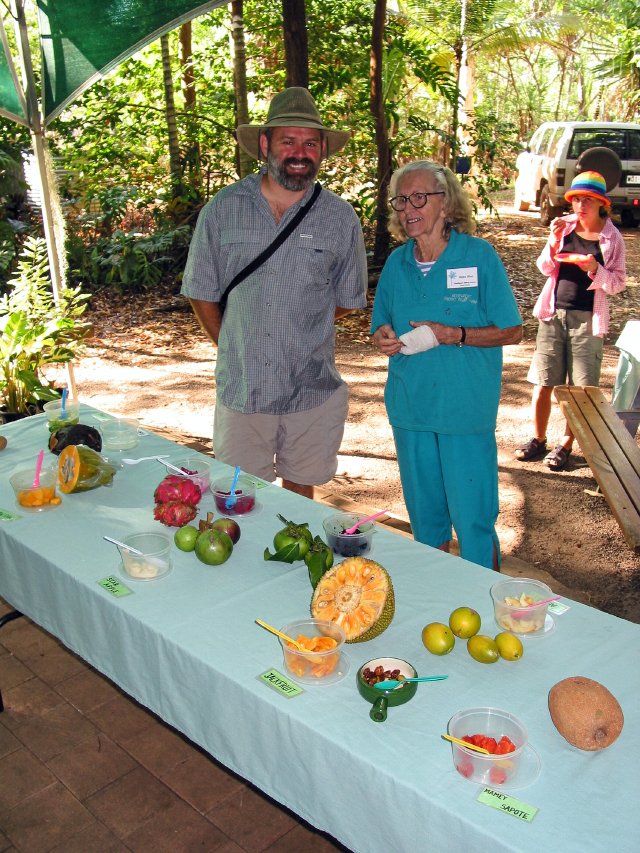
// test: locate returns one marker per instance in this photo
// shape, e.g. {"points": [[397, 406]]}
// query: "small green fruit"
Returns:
{"points": [[185, 537], [438, 638], [483, 649]]}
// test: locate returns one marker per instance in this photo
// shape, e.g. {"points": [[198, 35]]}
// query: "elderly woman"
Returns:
{"points": [[443, 310]]}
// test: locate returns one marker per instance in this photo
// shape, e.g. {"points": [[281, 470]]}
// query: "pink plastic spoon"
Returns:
{"points": [[36, 479], [353, 529], [518, 614]]}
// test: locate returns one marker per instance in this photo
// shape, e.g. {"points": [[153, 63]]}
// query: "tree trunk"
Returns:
{"points": [[192, 154], [244, 163], [294, 24], [170, 113], [376, 101]]}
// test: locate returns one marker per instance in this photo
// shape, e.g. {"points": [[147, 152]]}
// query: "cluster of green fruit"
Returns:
{"points": [[212, 541], [464, 623]]}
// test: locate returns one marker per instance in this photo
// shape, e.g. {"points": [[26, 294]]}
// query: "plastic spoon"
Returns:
{"points": [[153, 561], [143, 459], [36, 479], [275, 631], [392, 683], [122, 545], [232, 499], [173, 467], [350, 530], [63, 404], [467, 745], [518, 614]]}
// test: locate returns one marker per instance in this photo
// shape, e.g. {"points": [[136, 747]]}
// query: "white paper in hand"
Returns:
{"points": [[420, 339]]}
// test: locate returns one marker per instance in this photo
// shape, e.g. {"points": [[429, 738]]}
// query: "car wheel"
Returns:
{"points": [[518, 202], [548, 212]]}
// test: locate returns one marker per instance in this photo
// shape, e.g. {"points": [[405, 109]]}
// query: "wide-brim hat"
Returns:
{"points": [[590, 184], [294, 107]]}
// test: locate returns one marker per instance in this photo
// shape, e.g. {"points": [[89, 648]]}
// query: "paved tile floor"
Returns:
{"points": [[84, 768]]}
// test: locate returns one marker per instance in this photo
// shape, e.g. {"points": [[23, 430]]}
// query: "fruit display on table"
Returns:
{"points": [[585, 713], [291, 543], [357, 595], [176, 500], [464, 623], [81, 469]]}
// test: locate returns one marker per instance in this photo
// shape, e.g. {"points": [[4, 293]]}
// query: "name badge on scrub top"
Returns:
{"points": [[462, 277]]}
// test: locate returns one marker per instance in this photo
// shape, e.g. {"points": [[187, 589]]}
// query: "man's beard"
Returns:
{"points": [[293, 183]]}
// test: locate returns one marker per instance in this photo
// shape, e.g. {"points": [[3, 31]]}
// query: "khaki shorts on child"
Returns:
{"points": [[566, 351]]}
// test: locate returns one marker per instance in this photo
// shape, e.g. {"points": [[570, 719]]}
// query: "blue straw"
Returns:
{"points": [[231, 500], [63, 407]]}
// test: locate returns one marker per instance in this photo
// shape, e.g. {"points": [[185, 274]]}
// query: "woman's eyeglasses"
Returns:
{"points": [[418, 200]]}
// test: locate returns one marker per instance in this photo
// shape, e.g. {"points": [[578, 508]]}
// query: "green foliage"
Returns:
{"points": [[35, 330]]}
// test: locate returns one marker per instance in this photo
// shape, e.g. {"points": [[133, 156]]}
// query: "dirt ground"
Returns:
{"points": [[148, 358]]}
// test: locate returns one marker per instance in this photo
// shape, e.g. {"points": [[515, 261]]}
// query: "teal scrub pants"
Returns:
{"points": [[451, 481]]}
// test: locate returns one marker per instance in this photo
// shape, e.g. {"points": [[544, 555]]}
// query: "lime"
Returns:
{"points": [[464, 622], [509, 646], [185, 537], [438, 638], [483, 649]]}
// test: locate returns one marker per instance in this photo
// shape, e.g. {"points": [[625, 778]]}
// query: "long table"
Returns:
{"points": [[187, 647]]}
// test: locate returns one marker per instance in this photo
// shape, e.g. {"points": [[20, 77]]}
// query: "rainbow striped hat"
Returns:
{"points": [[590, 184]]}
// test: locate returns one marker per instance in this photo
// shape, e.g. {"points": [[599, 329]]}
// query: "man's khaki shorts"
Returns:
{"points": [[301, 447]]}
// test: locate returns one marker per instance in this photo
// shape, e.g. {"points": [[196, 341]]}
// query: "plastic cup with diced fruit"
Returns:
{"points": [[34, 498], [57, 418], [516, 607], [154, 559], [319, 660], [196, 468], [242, 501], [501, 733]]}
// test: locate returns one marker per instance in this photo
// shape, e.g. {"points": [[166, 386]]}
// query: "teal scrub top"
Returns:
{"points": [[448, 389]]}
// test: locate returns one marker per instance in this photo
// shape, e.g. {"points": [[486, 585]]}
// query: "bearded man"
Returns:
{"points": [[281, 404]]}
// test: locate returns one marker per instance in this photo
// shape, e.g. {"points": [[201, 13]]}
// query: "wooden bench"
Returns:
{"points": [[610, 451]]}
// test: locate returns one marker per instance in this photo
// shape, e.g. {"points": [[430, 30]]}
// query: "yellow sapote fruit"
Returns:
{"points": [[357, 594], [509, 646], [464, 622], [483, 649], [438, 638]]}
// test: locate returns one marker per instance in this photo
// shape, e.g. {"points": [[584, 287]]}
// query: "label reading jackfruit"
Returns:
{"points": [[280, 683], [505, 803]]}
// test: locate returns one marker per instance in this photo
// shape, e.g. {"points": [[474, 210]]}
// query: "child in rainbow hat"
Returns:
{"points": [[584, 262]]}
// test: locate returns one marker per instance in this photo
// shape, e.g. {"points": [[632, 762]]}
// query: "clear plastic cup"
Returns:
{"points": [[493, 770]]}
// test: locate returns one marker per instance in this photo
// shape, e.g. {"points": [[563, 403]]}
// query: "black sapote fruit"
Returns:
{"points": [[75, 434]]}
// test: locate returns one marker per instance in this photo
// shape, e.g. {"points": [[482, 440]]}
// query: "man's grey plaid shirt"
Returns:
{"points": [[276, 349]]}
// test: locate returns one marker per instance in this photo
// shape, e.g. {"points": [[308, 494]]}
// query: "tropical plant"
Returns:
{"points": [[36, 330]]}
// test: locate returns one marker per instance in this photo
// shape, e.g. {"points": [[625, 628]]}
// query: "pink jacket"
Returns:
{"points": [[607, 279]]}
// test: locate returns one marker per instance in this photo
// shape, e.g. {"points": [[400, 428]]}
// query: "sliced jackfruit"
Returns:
{"points": [[357, 594]]}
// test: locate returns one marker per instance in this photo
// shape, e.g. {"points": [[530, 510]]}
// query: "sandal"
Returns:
{"points": [[533, 449], [558, 458]]}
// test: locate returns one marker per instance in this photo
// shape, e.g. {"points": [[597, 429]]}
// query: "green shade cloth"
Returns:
{"points": [[84, 39], [10, 105]]}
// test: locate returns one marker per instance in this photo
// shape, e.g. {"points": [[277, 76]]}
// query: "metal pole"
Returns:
{"points": [[39, 145]]}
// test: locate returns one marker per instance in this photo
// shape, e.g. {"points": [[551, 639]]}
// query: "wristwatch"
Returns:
{"points": [[463, 336]]}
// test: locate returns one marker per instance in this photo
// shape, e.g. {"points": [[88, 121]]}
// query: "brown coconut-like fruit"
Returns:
{"points": [[585, 713]]}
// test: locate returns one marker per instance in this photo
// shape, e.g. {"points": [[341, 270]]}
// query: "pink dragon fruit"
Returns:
{"points": [[177, 488], [175, 513]]}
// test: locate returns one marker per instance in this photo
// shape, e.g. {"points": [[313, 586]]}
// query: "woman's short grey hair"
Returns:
{"points": [[457, 205]]}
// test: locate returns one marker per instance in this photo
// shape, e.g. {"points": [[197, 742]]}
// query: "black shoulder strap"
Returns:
{"points": [[271, 248]]}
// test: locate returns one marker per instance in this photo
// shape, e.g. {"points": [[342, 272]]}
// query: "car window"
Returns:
{"points": [[553, 143], [535, 142], [595, 137], [544, 142], [634, 145]]}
